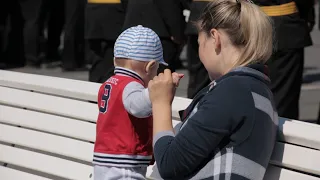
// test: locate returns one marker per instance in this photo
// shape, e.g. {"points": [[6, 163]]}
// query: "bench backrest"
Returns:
{"points": [[47, 130]]}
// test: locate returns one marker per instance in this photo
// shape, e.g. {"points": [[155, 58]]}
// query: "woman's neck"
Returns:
{"points": [[230, 57]]}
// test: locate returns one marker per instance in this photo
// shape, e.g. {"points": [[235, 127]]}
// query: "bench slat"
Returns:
{"points": [[52, 85], [276, 173], [68, 107], [286, 161], [44, 163], [272, 173], [49, 104], [178, 104], [285, 155], [290, 131], [46, 142], [66, 87], [48, 123], [12, 174], [296, 157], [53, 96]]}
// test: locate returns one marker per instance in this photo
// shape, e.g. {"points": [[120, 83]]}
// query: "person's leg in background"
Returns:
{"points": [[171, 53], [101, 56], [73, 52], [286, 73], [177, 64], [198, 75], [43, 28], [31, 10], [319, 14], [14, 53], [4, 12], [55, 27], [103, 25]]}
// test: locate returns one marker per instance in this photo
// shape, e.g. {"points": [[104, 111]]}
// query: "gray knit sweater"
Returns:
{"points": [[228, 131]]}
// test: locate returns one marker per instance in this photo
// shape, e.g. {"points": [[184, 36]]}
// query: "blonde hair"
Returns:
{"points": [[247, 26]]}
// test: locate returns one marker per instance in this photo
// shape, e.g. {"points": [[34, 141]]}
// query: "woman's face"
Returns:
{"points": [[208, 54]]}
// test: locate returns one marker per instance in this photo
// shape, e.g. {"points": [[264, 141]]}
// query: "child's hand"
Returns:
{"points": [[163, 87], [176, 78]]}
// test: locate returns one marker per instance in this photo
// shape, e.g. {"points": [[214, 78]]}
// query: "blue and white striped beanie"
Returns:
{"points": [[139, 43]]}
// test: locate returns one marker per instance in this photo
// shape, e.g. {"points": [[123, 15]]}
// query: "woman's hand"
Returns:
{"points": [[162, 87]]}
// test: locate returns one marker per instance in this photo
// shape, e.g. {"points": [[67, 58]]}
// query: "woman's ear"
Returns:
{"points": [[215, 35], [149, 66]]}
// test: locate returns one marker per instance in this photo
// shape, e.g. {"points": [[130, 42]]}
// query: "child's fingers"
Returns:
{"points": [[181, 76], [176, 78], [177, 75]]}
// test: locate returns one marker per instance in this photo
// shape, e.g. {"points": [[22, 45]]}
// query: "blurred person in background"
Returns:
{"points": [[166, 18], [198, 75], [292, 24], [41, 16], [11, 35], [31, 11], [67, 16], [318, 13], [103, 24], [52, 20], [73, 55]]}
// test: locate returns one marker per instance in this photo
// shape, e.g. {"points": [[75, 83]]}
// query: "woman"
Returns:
{"points": [[229, 130]]}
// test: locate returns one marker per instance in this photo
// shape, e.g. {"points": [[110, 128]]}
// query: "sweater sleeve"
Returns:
{"points": [[136, 100], [178, 156]]}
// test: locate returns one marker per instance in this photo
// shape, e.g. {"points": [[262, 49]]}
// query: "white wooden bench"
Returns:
{"points": [[47, 130]]}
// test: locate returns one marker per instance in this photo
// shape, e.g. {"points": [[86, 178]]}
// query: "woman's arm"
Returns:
{"points": [[162, 121], [179, 156]]}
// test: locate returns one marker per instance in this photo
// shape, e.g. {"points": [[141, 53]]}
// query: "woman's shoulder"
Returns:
{"points": [[235, 87], [240, 92], [242, 86]]}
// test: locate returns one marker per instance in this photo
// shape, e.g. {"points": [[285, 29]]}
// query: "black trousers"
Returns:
{"points": [[31, 10], [198, 75], [11, 34], [74, 45], [286, 71], [319, 16], [52, 18], [171, 53], [100, 53], [4, 13]]}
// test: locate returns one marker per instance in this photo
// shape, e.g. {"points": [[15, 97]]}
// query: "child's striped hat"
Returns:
{"points": [[139, 43]]}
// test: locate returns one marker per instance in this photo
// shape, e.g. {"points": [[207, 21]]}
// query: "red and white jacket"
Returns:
{"points": [[122, 140]]}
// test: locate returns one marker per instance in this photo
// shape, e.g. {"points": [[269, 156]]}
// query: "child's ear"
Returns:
{"points": [[150, 65]]}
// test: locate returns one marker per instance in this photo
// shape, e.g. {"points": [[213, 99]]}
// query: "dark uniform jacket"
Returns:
{"points": [[196, 9], [291, 31], [165, 17], [104, 20]]}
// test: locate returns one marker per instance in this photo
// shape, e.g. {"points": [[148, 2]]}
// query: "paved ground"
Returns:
{"points": [[310, 97]]}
